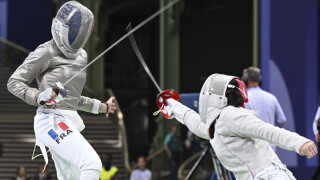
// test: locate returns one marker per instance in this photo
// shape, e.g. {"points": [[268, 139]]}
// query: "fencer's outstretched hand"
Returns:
{"points": [[108, 107], [111, 105], [309, 149]]}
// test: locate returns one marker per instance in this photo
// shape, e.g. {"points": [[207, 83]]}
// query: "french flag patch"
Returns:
{"points": [[58, 137]]}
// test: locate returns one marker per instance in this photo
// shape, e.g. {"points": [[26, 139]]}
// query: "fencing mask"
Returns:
{"points": [[72, 27], [212, 96]]}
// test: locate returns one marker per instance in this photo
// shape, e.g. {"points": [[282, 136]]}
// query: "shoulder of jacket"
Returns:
{"points": [[42, 49], [232, 117], [46, 53], [41, 54], [46, 50], [231, 112], [229, 109]]}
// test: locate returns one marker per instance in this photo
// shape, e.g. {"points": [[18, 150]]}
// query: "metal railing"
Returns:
{"points": [[205, 158], [14, 45], [122, 132], [183, 166], [123, 137], [12, 53]]}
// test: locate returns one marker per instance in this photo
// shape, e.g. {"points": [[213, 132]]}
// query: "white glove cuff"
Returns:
{"points": [[178, 110], [172, 102], [95, 108]]}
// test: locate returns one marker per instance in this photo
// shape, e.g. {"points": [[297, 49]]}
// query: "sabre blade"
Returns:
{"points": [[167, 6], [139, 56]]}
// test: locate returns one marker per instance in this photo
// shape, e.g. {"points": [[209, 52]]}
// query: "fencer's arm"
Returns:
{"points": [[88, 105], [36, 63], [189, 118], [243, 124]]}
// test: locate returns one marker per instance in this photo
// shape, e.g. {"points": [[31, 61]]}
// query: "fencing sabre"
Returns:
{"points": [[170, 93], [167, 6], [139, 56]]}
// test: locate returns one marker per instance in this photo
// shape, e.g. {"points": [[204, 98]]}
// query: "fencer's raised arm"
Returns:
{"points": [[190, 118], [36, 63], [242, 123]]}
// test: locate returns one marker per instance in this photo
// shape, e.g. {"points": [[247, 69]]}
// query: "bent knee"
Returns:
{"points": [[92, 164], [92, 172], [98, 166]]}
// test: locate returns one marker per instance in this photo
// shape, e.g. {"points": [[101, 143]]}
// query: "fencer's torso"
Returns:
{"points": [[244, 156], [61, 69], [47, 64], [239, 142]]}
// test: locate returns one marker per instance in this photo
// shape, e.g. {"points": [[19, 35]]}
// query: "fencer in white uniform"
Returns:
{"points": [[58, 125], [238, 137]]}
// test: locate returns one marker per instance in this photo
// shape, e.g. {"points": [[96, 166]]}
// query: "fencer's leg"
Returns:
{"points": [[66, 142], [65, 170], [62, 166]]}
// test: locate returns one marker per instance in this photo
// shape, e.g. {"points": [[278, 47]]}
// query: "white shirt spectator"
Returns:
{"points": [[139, 174]]}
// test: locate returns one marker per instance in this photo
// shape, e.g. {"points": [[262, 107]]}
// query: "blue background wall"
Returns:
{"points": [[3, 20], [289, 62], [29, 22]]}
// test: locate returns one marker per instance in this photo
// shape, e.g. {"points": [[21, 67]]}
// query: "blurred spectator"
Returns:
{"points": [[42, 175], [264, 103], [21, 174], [108, 172], [172, 147], [142, 173]]}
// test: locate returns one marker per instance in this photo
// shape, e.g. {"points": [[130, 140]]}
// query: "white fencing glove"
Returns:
{"points": [[47, 97], [50, 97]]}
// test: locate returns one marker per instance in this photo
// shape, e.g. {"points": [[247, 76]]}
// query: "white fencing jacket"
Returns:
{"points": [[240, 139]]}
